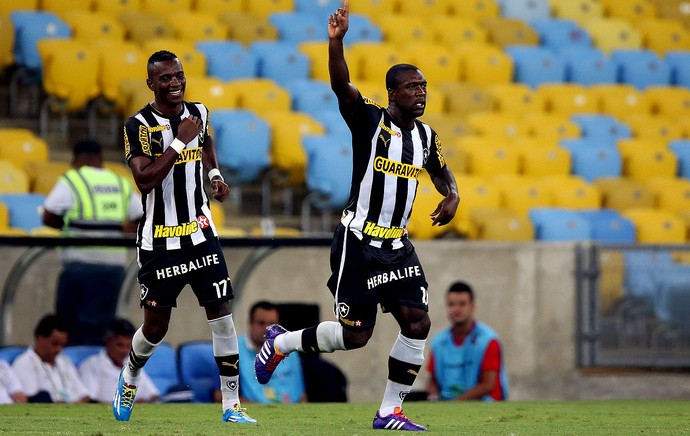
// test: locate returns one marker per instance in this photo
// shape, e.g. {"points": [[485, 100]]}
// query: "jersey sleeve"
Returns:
{"points": [[362, 118], [436, 161], [137, 139], [492, 357]]}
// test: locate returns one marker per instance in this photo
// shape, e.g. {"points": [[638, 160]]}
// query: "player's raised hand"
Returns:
{"points": [[339, 22]]}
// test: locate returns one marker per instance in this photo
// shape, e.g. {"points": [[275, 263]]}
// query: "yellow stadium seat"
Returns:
{"points": [[372, 60], [6, 40], [9, 6], [374, 90], [287, 153], [115, 8], [476, 9], [613, 34], [22, 148], [166, 7], [375, 9], [426, 201], [567, 98], [401, 30], [671, 194], [520, 194], [231, 232], [488, 157], [70, 71], [461, 98], [668, 101], [484, 64], [119, 61], [135, 94], [281, 232], [630, 10], [623, 193], [647, 162], [142, 26], [550, 126], [497, 125], [580, 11], [268, 7], [501, 225], [197, 26], [455, 157], [654, 226], [218, 7], [664, 34], [620, 100], [515, 99], [90, 26], [193, 61], [217, 213], [674, 9], [13, 180], [448, 126], [317, 52], [13, 231], [247, 28], [426, 9], [436, 62], [62, 7], [451, 31], [45, 231], [44, 175], [212, 92], [654, 127], [259, 95], [572, 192], [543, 161], [4, 216], [475, 193], [509, 31]]}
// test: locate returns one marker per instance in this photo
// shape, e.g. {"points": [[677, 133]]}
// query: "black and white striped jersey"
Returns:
{"points": [[387, 161], [176, 213]]}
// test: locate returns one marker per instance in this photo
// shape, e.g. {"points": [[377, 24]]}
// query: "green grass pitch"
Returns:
{"points": [[467, 418]]}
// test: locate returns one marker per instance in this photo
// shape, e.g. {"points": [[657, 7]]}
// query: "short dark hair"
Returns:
{"points": [[119, 327], [162, 56], [394, 73], [460, 287], [47, 324], [261, 304], [86, 146]]}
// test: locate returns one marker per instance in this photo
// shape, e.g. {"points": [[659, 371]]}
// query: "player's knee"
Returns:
{"points": [[354, 340], [417, 329]]}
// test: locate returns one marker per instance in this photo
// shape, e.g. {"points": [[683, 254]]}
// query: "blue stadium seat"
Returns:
{"points": [[608, 226], [679, 62], [641, 68], [10, 352], [312, 96], [298, 27], [78, 353], [321, 9], [587, 65], [329, 169], [536, 65], [280, 61], [228, 60], [333, 122], [592, 159], [526, 10], [30, 27], [243, 141], [198, 369], [24, 210], [557, 33], [362, 29], [554, 224], [601, 127], [162, 368], [681, 148]]}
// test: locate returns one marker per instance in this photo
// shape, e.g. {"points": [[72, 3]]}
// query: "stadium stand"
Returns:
{"points": [[609, 226], [24, 210], [280, 61], [198, 369], [536, 65], [566, 98], [228, 60], [587, 66], [557, 224]]}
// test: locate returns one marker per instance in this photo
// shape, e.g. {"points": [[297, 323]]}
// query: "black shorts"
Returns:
{"points": [[163, 275], [363, 276]]}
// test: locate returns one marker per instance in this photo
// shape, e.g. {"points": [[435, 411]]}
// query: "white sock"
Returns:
{"points": [[225, 344], [410, 352], [143, 349], [329, 337]]}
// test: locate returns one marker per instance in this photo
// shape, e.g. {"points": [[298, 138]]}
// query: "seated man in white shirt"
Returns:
{"points": [[43, 372], [101, 371], [10, 388]]}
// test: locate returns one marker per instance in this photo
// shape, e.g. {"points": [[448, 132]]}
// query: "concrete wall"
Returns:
{"points": [[525, 291]]}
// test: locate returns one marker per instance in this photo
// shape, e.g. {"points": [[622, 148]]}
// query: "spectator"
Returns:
{"points": [[10, 387], [466, 361], [90, 200], [100, 372], [287, 383], [45, 374]]}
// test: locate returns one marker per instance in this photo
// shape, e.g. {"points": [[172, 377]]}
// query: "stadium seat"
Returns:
{"points": [[601, 127], [142, 26], [483, 64], [195, 26], [450, 31], [243, 142], [662, 35], [162, 367], [312, 96], [475, 10], [247, 28], [543, 161], [260, 95], [679, 62], [536, 65], [620, 100], [566, 99], [633, 11], [318, 63], [645, 163], [655, 127], [362, 28], [193, 61], [497, 225], [219, 7], [44, 175], [280, 61], [401, 30], [613, 34], [94, 26], [4, 216], [526, 10], [550, 127], [609, 226], [436, 62], [15, 5], [210, 91], [267, 8], [592, 159], [520, 194], [623, 193], [461, 99], [587, 66], [656, 227], [496, 125], [426, 201], [373, 90], [228, 60], [134, 94], [298, 27], [371, 60], [515, 99], [24, 210], [580, 11], [671, 194], [476, 193], [375, 9], [557, 34], [30, 27], [505, 32], [492, 160], [332, 121], [641, 68], [78, 353], [556, 225], [13, 180], [424, 10], [9, 352], [674, 310], [117, 62], [198, 369], [114, 9], [167, 8], [572, 192], [681, 148], [668, 101], [63, 7], [22, 148]]}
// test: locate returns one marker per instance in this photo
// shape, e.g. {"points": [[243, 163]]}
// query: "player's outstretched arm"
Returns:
{"points": [[446, 185], [338, 24]]}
